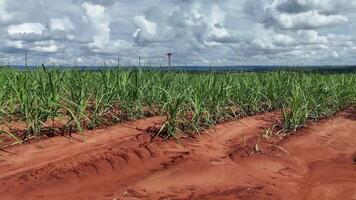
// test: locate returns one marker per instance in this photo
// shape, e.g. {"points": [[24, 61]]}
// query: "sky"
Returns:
{"points": [[196, 32]]}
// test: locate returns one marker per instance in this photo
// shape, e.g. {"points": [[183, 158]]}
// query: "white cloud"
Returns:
{"points": [[300, 14], [79, 60], [189, 27], [100, 21], [283, 40], [308, 20], [216, 32], [325, 6], [5, 16], [312, 37], [47, 49], [145, 25], [26, 28], [15, 44], [61, 24], [200, 31]]}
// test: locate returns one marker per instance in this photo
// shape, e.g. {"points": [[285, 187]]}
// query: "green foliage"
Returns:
{"points": [[191, 101]]}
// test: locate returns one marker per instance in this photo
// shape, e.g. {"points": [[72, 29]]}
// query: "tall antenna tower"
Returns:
{"points": [[169, 56]]}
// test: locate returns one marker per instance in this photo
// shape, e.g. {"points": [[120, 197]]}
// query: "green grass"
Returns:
{"points": [[190, 101]]}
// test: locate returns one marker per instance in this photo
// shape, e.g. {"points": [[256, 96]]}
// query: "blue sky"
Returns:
{"points": [[209, 32]]}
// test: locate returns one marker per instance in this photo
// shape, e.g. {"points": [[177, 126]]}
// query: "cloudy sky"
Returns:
{"points": [[197, 32]]}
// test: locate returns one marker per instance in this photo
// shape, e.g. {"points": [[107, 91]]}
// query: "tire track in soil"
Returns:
{"points": [[121, 162]]}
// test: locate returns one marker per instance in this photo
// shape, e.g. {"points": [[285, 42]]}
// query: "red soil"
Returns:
{"points": [[121, 162]]}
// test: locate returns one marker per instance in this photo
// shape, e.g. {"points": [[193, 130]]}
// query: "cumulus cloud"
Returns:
{"points": [[97, 2], [45, 46], [324, 6], [145, 25], [308, 20], [26, 28], [30, 37], [300, 14], [189, 27], [15, 44], [97, 17], [5, 16], [223, 32], [311, 37], [61, 24], [100, 22]]}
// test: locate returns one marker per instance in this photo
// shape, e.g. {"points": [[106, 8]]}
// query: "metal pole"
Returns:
{"points": [[169, 59], [25, 59]]}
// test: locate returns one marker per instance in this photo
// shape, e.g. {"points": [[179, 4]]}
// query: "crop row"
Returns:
{"points": [[42, 98]]}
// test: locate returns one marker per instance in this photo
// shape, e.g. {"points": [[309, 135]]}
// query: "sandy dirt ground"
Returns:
{"points": [[121, 162]]}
